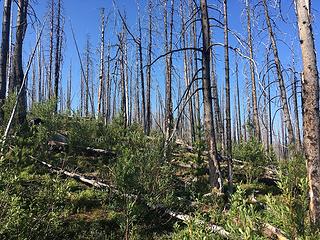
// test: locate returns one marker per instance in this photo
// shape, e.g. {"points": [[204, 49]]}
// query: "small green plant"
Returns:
{"points": [[254, 157], [242, 218], [289, 210]]}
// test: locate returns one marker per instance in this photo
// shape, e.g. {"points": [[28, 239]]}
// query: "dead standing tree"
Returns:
{"points": [[283, 94], [168, 74], [16, 77], [58, 58], [148, 72], [214, 171], [311, 124], [227, 88], [4, 51], [256, 124], [101, 91]]}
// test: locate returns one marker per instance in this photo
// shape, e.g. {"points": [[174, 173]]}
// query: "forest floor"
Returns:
{"points": [[74, 178]]}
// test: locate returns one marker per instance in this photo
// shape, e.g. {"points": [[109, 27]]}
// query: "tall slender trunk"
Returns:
{"points": [[168, 76], [82, 89], [40, 72], [283, 94], [216, 104], [101, 74], [17, 70], [256, 125], [6, 18], [69, 89], [238, 101], [137, 91], [187, 75], [295, 104], [228, 110], [215, 177], [49, 81], [57, 56], [269, 108], [108, 89], [122, 79], [142, 78], [149, 56], [195, 73], [311, 124], [87, 75], [33, 84]]}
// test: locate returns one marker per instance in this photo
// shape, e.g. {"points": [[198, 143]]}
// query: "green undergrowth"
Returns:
{"points": [[36, 203]]}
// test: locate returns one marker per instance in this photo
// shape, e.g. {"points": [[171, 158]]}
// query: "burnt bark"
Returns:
{"points": [[227, 88], [16, 77], [214, 171], [283, 94], [4, 51], [256, 124], [311, 124]]}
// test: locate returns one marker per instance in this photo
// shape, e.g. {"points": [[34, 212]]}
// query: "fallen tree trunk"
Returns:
{"points": [[76, 176], [214, 228], [267, 229], [273, 232], [94, 183], [62, 145]]}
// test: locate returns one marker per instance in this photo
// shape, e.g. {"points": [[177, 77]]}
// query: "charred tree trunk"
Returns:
{"points": [[310, 90], [214, 170], [17, 70], [228, 110], [216, 104], [57, 56], [33, 84], [49, 81], [283, 94], [137, 92], [149, 56], [238, 102], [40, 72], [69, 87], [101, 74], [6, 18], [195, 75], [295, 105], [168, 99], [108, 89], [187, 75], [256, 125], [122, 79]]}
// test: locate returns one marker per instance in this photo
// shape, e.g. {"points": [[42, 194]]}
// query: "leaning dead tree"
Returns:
{"points": [[283, 94], [311, 124]]}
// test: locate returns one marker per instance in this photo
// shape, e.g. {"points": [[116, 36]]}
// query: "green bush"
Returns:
{"points": [[289, 210], [254, 157]]}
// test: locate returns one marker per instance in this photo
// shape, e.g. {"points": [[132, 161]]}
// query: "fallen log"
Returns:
{"points": [[272, 232], [76, 176], [214, 228], [55, 145], [267, 229], [98, 184]]}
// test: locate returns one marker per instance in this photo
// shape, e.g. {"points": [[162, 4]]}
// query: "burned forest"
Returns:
{"points": [[158, 119]]}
